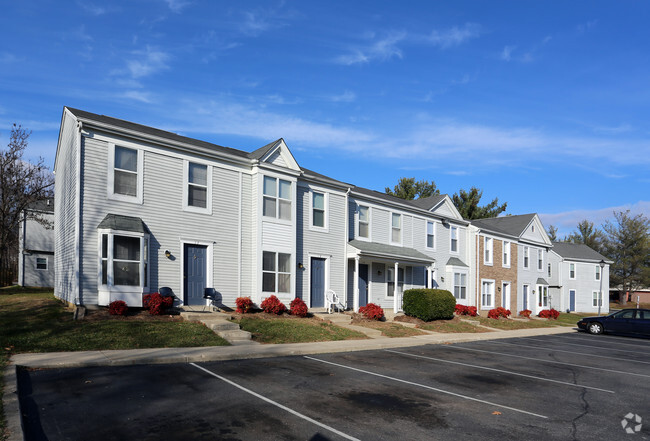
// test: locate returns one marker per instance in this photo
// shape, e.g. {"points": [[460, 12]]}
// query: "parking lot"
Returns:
{"points": [[569, 386]]}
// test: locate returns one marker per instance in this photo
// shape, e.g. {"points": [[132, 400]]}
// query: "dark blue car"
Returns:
{"points": [[625, 321]]}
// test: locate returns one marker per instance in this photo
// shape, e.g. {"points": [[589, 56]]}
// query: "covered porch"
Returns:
{"points": [[379, 273]]}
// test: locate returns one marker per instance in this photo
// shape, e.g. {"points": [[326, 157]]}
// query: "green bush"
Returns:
{"points": [[429, 304]]}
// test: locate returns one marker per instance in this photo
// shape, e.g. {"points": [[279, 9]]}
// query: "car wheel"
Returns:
{"points": [[595, 328]]}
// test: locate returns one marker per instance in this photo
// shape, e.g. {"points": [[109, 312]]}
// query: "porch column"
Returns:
{"points": [[428, 276], [355, 289], [396, 301]]}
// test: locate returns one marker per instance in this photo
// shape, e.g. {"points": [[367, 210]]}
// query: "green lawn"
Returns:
{"points": [[285, 330], [451, 326], [509, 324], [391, 330]]}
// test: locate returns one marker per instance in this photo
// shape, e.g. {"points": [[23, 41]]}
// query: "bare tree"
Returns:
{"points": [[21, 184]]}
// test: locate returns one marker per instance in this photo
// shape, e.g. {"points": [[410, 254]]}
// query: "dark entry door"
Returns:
{"points": [[572, 300], [363, 284], [195, 274], [317, 282]]}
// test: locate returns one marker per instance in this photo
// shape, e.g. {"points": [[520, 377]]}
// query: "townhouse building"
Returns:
{"points": [[36, 245]]}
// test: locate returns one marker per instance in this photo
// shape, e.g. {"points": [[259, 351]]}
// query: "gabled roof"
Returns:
{"points": [[455, 261], [429, 202], [510, 225], [389, 251], [578, 251], [259, 153], [45, 205]]}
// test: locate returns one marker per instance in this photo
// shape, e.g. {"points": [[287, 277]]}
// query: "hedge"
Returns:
{"points": [[429, 304]]}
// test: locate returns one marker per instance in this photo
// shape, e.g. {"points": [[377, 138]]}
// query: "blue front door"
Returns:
{"points": [[317, 282], [195, 274], [363, 285], [572, 300]]}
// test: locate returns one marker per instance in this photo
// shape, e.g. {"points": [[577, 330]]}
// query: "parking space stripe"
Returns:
{"points": [[573, 352], [548, 361], [285, 408], [428, 387], [501, 371], [604, 339]]}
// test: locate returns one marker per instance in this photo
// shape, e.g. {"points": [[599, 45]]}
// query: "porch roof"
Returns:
{"points": [[380, 250], [541, 281], [123, 223]]}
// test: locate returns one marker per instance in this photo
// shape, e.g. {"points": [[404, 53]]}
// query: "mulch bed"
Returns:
{"points": [[408, 319]]}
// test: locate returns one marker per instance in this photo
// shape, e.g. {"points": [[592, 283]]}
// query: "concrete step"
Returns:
{"points": [[234, 335], [221, 325]]}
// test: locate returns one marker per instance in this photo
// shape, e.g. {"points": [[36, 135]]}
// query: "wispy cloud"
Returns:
{"points": [[177, 6], [260, 20], [506, 53], [454, 36], [584, 27], [567, 221], [381, 50], [137, 95], [145, 62], [91, 8], [8, 58], [345, 97]]}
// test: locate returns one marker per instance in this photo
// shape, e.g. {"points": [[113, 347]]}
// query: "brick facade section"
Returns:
{"points": [[498, 273]]}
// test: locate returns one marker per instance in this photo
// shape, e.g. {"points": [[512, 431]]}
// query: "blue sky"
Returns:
{"points": [[544, 105]]}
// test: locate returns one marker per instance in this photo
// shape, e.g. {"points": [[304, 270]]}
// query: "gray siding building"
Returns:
{"points": [[36, 245]]}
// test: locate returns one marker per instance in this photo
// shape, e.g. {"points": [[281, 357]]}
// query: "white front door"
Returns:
{"points": [[541, 297], [505, 295]]}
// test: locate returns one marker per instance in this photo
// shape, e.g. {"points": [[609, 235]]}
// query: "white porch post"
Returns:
{"points": [[396, 301], [355, 289], [428, 283]]}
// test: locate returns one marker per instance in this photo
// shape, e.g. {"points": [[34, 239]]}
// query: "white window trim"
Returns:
{"points": [[451, 228], [426, 235], [401, 228], [326, 213], [110, 182], [506, 246], [489, 261], [110, 287], [575, 271], [539, 297], [358, 215], [277, 198], [595, 299], [493, 282], [47, 264], [540, 258], [186, 177], [453, 283], [598, 274], [277, 272], [524, 254]]}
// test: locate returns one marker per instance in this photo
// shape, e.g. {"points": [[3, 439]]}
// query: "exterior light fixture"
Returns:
{"points": [[168, 254], [300, 266]]}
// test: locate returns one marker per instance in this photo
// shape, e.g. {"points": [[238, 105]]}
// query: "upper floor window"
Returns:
{"points": [[198, 187], [453, 246], [540, 260], [506, 254], [597, 272], [318, 209], [364, 221], [431, 236], [572, 271], [396, 228], [277, 198], [526, 256], [125, 174], [549, 270], [488, 247]]}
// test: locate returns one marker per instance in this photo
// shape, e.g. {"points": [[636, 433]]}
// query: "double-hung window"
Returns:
{"points": [[488, 248], [364, 222], [277, 198], [487, 294], [41, 263], [125, 173], [318, 209], [596, 300], [124, 260], [526, 256], [572, 271], [396, 228], [390, 282], [597, 272], [276, 272], [431, 235], [197, 195], [460, 286], [549, 270], [453, 244], [506, 254], [540, 260]]}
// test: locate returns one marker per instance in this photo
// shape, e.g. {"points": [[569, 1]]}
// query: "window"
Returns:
{"points": [[460, 286], [41, 263], [125, 174], [276, 272], [542, 296], [277, 198], [124, 260], [597, 272], [487, 248], [572, 271], [596, 299], [540, 260], [197, 196], [454, 239], [487, 294], [431, 236], [364, 221], [318, 209], [526, 256], [549, 270], [506, 254], [390, 282], [396, 228], [400, 280]]}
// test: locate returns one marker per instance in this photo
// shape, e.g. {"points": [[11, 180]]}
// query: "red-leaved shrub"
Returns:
{"points": [[117, 307], [498, 312], [466, 310], [244, 305], [157, 304], [273, 305], [372, 311], [525, 313], [298, 307], [549, 314]]}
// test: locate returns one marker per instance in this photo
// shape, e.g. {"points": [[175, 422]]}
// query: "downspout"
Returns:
{"points": [[345, 246], [239, 234], [77, 239], [478, 271]]}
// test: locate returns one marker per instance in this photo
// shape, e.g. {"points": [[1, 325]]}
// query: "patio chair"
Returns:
{"points": [[332, 301], [209, 294]]}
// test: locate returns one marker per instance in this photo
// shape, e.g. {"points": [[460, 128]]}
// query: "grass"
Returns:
{"points": [[392, 330], [450, 326], [295, 330], [509, 324], [615, 305]]}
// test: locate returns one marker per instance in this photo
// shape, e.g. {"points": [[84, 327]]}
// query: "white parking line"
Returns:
{"points": [[502, 371], [578, 353], [604, 339], [548, 361], [428, 387], [261, 397]]}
